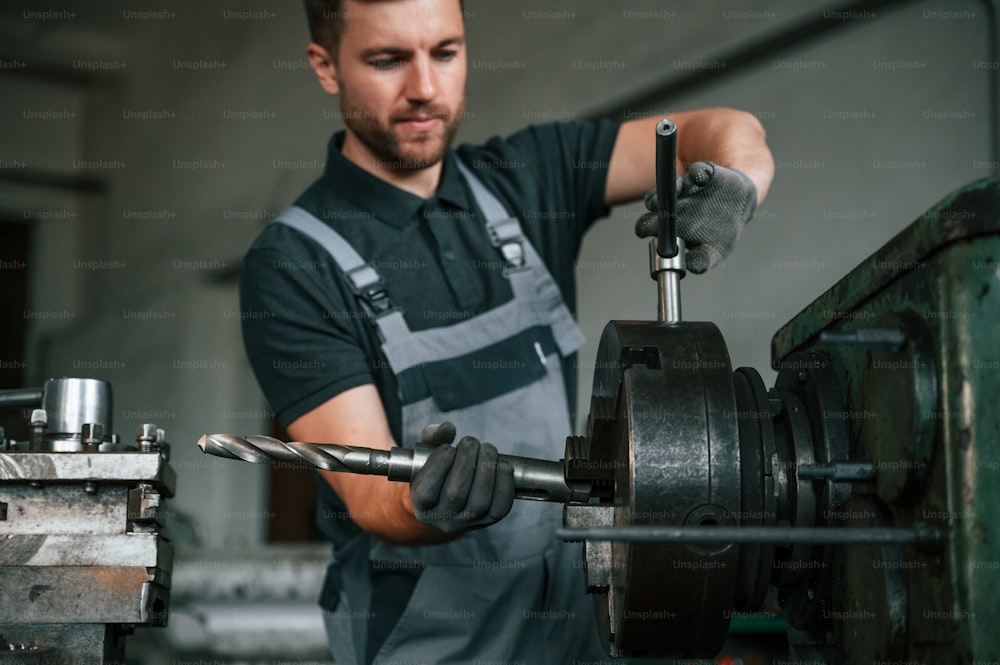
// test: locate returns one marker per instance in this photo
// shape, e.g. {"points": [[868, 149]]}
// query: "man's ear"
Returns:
{"points": [[324, 68]]}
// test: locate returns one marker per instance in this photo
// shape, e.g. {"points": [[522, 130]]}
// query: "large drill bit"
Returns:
{"points": [[265, 449], [541, 480]]}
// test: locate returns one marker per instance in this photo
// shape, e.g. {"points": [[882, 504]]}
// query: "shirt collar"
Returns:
{"points": [[386, 201]]}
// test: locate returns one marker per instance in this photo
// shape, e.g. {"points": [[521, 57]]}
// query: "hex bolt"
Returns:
{"points": [[146, 436], [37, 424], [92, 435]]}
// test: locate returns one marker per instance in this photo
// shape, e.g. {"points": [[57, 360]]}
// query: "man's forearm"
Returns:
{"points": [[382, 508], [728, 137]]}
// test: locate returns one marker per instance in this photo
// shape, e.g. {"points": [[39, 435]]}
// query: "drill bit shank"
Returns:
{"points": [[540, 480]]}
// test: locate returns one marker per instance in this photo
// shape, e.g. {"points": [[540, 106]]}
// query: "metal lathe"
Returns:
{"points": [[861, 487]]}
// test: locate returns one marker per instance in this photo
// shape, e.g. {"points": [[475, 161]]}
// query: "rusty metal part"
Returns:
{"points": [[899, 393], [82, 559], [922, 412], [873, 592]]}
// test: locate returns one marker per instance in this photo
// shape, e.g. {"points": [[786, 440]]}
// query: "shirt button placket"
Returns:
{"points": [[459, 274]]}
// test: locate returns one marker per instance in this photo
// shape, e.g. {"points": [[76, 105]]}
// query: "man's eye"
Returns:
{"points": [[385, 63], [446, 55]]}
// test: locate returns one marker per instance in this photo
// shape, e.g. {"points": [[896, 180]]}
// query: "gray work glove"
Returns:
{"points": [[462, 487], [713, 205]]}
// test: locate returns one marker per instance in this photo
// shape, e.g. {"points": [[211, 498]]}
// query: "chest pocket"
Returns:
{"points": [[482, 375]]}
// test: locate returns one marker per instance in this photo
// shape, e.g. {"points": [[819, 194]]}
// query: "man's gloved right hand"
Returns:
{"points": [[462, 487], [714, 203]]}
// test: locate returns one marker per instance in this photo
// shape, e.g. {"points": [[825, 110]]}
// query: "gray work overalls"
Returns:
{"points": [[510, 592]]}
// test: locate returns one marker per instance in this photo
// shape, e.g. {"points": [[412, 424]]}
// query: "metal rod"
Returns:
{"points": [[666, 188], [668, 274], [20, 397], [669, 301], [781, 535]]}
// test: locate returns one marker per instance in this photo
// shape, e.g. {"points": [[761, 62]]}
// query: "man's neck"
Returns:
{"points": [[420, 182]]}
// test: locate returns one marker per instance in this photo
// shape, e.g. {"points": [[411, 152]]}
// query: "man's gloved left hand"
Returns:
{"points": [[460, 488], [714, 203]]}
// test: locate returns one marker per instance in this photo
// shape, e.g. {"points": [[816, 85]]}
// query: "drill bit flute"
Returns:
{"points": [[539, 480]]}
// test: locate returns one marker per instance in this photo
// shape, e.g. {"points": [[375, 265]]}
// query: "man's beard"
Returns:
{"points": [[383, 142]]}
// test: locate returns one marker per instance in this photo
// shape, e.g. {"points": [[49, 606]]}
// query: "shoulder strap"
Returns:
{"points": [[519, 256], [364, 280], [504, 229]]}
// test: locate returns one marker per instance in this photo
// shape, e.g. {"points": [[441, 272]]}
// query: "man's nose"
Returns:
{"points": [[421, 83]]}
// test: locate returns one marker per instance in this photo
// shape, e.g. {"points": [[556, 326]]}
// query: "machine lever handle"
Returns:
{"points": [[666, 188]]}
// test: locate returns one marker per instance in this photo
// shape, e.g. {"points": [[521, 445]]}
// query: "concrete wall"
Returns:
{"points": [[869, 127], [200, 122]]}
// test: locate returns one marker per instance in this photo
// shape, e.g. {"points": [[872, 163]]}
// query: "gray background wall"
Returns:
{"points": [[108, 107]]}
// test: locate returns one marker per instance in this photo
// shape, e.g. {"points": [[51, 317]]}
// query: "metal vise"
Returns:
{"points": [[82, 556]]}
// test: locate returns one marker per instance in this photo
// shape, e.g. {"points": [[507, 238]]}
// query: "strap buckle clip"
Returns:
{"points": [[368, 286], [505, 235]]}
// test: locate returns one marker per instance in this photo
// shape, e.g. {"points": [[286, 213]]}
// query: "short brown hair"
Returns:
{"points": [[326, 21]]}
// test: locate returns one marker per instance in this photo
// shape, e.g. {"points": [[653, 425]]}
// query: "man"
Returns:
{"points": [[442, 296]]}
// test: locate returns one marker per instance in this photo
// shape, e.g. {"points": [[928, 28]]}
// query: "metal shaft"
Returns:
{"points": [[539, 480], [787, 535], [20, 397], [668, 308], [668, 274]]}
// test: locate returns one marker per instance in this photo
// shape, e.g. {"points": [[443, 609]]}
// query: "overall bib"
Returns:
{"points": [[510, 592]]}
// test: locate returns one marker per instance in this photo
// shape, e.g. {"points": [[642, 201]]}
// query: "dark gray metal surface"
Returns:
{"points": [[676, 443]]}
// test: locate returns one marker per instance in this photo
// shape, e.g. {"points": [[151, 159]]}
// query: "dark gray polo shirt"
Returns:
{"points": [[306, 335]]}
